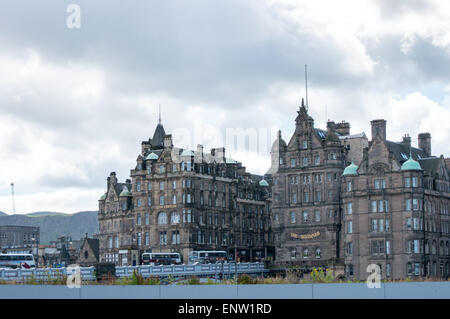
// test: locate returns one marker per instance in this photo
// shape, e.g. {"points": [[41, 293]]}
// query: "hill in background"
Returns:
{"points": [[52, 224]]}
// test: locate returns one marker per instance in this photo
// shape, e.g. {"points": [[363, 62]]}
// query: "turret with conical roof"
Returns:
{"points": [[352, 169]]}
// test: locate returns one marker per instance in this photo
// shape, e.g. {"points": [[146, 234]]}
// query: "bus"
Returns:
{"points": [[23, 261], [157, 259], [208, 256]]}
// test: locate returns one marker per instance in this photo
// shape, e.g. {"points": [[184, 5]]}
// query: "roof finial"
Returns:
{"points": [[306, 85], [159, 120]]}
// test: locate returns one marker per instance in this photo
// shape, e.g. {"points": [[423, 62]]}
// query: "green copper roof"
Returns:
{"points": [[352, 169], [125, 192], [187, 153], [103, 197], [411, 165], [152, 156], [263, 182]]}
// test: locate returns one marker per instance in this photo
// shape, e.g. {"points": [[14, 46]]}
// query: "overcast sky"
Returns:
{"points": [[75, 104]]}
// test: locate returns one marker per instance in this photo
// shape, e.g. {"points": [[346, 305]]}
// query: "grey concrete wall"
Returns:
{"points": [[438, 290]]}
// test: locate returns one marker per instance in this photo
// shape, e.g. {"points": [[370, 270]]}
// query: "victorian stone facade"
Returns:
{"points": [[179, 200], [342, 200], [330, 199]]}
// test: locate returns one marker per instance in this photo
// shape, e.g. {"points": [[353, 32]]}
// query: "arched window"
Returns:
{"points": [[175, 218], [305, 253], [318, 253], [441, 248], [162, 218]]}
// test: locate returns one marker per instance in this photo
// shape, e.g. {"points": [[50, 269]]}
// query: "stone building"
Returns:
{"points": [[89, 252], [179, 200], [339, 199], [19, 236]]}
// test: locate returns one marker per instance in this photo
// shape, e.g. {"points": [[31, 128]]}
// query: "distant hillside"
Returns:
{"points": [[42, 214], [53, 225]]}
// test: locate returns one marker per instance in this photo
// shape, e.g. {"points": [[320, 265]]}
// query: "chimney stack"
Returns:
{"points": [[406, 142], [425, 142], [378, 128], [343, 128], [168, 141]]}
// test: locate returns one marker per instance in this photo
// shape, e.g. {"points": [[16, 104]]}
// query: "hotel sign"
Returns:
{"points": [[305, 236]]}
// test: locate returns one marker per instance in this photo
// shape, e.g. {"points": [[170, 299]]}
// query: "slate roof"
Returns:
{"points": [[401, 152], [157, 141], [94, 244], [430, 164]]}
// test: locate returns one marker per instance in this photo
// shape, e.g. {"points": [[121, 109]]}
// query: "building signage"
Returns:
{"points": [[305, 236]]}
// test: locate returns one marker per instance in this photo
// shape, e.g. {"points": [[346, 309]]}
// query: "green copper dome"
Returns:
{"points": [[352, 169], [103, 197], [125, 192], [263, 182], [187, 152], [152, 156], [411, 165]]}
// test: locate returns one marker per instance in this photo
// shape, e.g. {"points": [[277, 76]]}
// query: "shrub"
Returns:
{"points": [[193, 281], [246, 280]]}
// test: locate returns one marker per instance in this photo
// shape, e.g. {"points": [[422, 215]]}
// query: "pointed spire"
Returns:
{"points": [[159, 120]]}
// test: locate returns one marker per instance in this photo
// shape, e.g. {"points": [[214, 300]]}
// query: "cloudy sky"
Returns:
{"points": [[75, 103]]}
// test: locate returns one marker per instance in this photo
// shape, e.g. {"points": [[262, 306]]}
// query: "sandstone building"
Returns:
{"points": [[342, 200], [179, 200]]}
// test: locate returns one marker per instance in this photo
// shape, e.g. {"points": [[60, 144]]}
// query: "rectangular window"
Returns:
{"points": [[138, 219], [305, 161], [349, 186], [408, 204], [349, 227], [292, 217], [374, 206], [138, 186], [317, 160], [147, 239], [305, 217], [292, 162], [349, 208], [317, 215], [388, 247], [161, 200], [147, 218], [174, 184], [414, 182], [407, 182]]}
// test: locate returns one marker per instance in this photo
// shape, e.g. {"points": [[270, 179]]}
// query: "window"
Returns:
{"points": [[124, 205], [163, 238], [414, 181], [161, 200], [139, 239], [174, 199], [174, 184], [294, 198], [149, 186], [317, 216], [161, 186], [317, 160], [388, 247], [407, 182], [350, 208], [350, 227], [305, 217], [187, 216], [292, 162], [305, 197], [139, 219], [175, 218], [305, 253], [139, 202], [349, 249], [293, 253], [176, 237], [149, 201], [373, 206], [318, 196], [292, 217], [147, 218], [388, 270], [305, 144], [349, 186], [305, 161], [162, 218], [138, 186], [162, 169], [147, 239], [174, 168], [318, 253]]}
